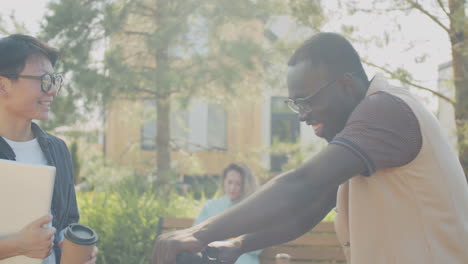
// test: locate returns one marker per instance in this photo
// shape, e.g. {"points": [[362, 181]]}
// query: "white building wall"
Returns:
{"points": [[198, 118]]}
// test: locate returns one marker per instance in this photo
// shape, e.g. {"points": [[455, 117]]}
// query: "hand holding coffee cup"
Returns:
{"points": [[79, 244]]}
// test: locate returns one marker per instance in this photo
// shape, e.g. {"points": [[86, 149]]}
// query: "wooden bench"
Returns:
{"points": [[318, 246]]}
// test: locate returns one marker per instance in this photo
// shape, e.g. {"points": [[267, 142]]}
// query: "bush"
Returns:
{"points": [[202, 187], [330, 217], [126, 221], [124, 210], [100, 174]]}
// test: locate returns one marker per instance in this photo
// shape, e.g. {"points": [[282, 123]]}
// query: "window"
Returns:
{"points": [[285, 128], [216, 127], [201, 127], [148, 130], [148, 136], [178, 125], [179, 128]]}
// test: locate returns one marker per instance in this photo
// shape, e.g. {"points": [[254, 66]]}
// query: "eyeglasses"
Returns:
{"points": [[301, 105], [47, 80]]}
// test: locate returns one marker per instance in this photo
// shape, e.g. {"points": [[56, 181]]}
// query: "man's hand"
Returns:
{"points": [[229, 250], [36, 240], [168, 245]]}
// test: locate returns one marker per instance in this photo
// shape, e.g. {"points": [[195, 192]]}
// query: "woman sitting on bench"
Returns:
{"points": [[237, 182]]}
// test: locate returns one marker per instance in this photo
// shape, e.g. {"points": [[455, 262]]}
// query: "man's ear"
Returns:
{"points": [[348, 84], [4, 84]]}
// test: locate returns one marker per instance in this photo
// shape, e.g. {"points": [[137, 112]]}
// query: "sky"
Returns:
{"points": [[417, 37], [30, 12], [416, 29]]}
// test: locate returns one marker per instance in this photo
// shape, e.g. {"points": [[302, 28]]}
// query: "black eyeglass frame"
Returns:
{"points": [[299, 104], [45, 88]]}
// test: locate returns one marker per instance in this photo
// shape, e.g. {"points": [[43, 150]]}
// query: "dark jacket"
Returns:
{"points": [[64, 207]]}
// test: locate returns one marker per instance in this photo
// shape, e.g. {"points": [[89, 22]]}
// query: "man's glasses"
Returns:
{"points": [[47, 80], [301, 105]]}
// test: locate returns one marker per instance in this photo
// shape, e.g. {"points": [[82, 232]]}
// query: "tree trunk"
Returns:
{"points": [[163, 136], [458, 29], [163, 102]]}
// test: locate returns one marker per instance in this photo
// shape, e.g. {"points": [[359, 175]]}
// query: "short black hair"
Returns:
{"points": [[332, 51], [16, 49]]}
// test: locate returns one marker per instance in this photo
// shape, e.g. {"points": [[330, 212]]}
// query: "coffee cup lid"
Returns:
{"points": [[81, 234]]}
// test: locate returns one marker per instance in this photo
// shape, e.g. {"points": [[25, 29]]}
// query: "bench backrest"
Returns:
{"points": [[319, 245]]}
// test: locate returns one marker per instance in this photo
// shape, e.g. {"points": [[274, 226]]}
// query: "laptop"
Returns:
{"points": [[25, 195]]}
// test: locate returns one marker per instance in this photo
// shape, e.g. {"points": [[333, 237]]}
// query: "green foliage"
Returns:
{"points": [[462, 131], [203, 187], [126, 220], [330, 217], [100, 174], [295, 153], [74, 26], [76, 161], [309, 13], [3, 29], [123, 208], [179, 46], [9, 24], [63, 105], [448, 16], [126, 217], [156, 50]]}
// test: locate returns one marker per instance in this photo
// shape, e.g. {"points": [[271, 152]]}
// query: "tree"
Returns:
{"points": [[10, 24], [76, 162], [3, 29], [157, 49], [449, 15], [458, 32]]}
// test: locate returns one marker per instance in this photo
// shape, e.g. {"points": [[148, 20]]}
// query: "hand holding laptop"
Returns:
{"points": [[37, 238]]}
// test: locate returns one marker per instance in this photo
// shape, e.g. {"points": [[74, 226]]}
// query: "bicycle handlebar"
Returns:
{"points": [[208, 256]]}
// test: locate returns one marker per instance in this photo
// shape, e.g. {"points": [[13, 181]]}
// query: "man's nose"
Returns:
{"points": [[53, 91], [303, 116]]}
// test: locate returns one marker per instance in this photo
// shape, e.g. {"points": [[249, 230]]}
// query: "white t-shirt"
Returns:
{"points": [[30, 152]]}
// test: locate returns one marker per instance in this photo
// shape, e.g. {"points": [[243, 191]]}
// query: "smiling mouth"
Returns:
{"points": [[318, 129], [45, 103]]}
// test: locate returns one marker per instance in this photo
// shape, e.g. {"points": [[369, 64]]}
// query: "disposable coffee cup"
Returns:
{"points": [[78, 244]]}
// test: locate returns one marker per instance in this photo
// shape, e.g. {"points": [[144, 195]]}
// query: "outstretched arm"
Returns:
{"points": [[298, 224], [293, 228], [285, 195], [273, 204]]}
